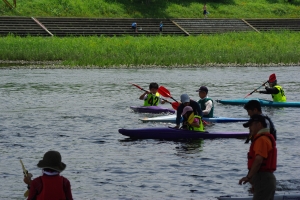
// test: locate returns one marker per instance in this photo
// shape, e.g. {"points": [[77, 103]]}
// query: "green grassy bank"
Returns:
{"points": [[154, 8], [241, 48]]}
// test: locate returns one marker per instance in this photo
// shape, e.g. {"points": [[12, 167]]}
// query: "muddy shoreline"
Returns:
{"points": [[22, 64]]}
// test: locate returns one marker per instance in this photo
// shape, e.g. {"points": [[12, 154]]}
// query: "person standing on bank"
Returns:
{"points": [[205, 10], [50, 185], [262, 160], [275, 90], [206, 104], [186, 101]]}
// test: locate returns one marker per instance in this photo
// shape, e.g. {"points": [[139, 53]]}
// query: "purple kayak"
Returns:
{"points": [[172, 133], [151, 109]]}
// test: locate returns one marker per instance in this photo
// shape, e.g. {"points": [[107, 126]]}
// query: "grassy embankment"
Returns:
{"points": [[238, 48], [155, 8]]}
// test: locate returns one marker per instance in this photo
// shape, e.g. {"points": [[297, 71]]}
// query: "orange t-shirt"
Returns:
{"points": [[262, 146]]}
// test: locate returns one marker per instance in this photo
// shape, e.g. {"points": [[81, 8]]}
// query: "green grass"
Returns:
{"points": [[241, 48], [154, 9]]}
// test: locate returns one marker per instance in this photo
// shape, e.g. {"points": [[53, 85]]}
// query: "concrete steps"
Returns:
{"points": [[210, 26], [62, 27], [275, 24]]}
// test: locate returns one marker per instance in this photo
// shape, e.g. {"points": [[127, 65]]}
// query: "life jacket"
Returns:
{"points": [[202, 102], [152, 100], [273, 130], [52, 188], [268, 164], [194, 128], [280, 97]]}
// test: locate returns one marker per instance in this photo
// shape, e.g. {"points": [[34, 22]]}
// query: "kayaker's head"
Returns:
{"points": [[253, 107], [255, 124], [52, 162], [187, 110], [153, 87], [272, 80], [185, 99], [203, 91]]}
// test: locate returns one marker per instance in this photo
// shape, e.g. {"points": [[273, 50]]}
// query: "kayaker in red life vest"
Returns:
{"points": [[152, 97], [49, 186], [262, 160], [274, 89], [186, 101]]}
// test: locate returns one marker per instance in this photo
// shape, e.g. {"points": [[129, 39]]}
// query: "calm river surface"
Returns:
{"points": [[78, 113]]}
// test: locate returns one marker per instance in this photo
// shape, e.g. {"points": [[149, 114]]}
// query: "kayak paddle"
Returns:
{"points": [[25, 172], [165, 92], [256, 89], [174, 104]]}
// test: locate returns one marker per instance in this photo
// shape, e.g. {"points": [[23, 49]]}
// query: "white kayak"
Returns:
{"points": [[172, 119], [276, 197]]}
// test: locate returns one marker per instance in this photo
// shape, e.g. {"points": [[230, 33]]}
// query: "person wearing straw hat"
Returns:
{"points": [[274, 89], [50, 185]]}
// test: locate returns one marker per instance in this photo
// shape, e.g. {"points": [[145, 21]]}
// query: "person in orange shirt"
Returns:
{"points": [[262, 159]]}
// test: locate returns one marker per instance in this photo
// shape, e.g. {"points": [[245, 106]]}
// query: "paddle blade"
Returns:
{"points": [[163, 91], [175, 105], [26, 193]]}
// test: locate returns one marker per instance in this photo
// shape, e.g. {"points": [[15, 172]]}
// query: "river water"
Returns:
{"points": [[78, 113]]}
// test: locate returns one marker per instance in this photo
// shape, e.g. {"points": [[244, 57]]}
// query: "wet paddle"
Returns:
{"points": [[165, 92], [255, 89], [25, 172], [174, 104]]}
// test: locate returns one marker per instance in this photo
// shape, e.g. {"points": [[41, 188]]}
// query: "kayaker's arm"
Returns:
{"points": [[178, 115], [254, 169], [270, 91], [208, 107], [142, 97]]}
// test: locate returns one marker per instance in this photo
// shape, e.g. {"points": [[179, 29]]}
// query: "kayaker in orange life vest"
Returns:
{"points": [[275, 90], [152, 97], [262, 159], [49, 186]]}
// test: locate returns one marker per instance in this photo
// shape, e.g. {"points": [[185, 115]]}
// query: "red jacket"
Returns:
{"points": [[50, 187]]}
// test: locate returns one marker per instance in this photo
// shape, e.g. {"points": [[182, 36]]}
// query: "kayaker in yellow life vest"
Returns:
{"points": [[152, 97], [275, 90], [193, 122]]}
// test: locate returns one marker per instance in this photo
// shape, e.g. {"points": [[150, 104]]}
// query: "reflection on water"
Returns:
{"points": [[79, 112]]}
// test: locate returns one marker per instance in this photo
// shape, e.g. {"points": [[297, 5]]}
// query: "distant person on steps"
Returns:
{"points": [[134, 26]]}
